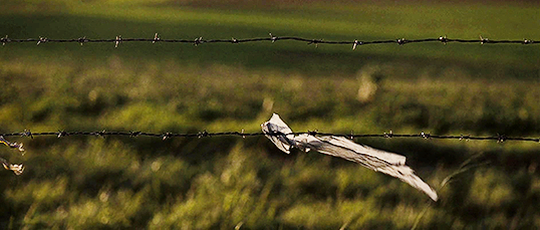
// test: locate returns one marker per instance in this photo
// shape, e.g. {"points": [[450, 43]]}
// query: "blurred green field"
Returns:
{"points": [[223, 183]]}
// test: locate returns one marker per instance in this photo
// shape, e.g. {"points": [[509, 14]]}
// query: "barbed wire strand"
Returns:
{"points": [[204, 134], [198, 41]]}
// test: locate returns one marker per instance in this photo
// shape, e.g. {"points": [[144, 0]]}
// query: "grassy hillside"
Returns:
{"points": [[89, 183]]}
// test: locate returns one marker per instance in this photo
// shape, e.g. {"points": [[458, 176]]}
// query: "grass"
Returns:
{"points": [[226, 182]]}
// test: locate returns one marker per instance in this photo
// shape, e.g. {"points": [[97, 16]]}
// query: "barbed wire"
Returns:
{"points": [[19, 168], [198, 41], [204, 134]]}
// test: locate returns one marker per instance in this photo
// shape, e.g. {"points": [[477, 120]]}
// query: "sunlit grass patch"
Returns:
{"points": [[490, 189]]}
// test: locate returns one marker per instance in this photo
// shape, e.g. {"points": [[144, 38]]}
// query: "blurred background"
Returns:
{"points": [[230, 182]]}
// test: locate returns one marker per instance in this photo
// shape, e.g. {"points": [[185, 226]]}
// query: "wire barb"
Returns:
{"points": [[82, 40], [203, 134], [166, 136], [156, 38], [101, 133], [483, 40], [527, 41], [134, 134], [62, 134], [4, 40], [27, 133], [315, 41], [117, 41], [198, 41], [272, 38], [42, 40], [356, 43], [443, 39], [500, 138]]}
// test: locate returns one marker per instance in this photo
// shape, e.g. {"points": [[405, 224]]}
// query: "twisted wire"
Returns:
{"points": [[204, 134], [199, 40]]}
